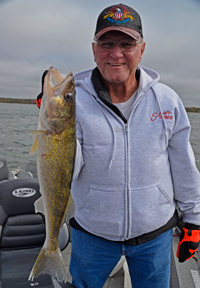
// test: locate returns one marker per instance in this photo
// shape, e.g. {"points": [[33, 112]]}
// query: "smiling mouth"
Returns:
{"points": [[112, 64]]}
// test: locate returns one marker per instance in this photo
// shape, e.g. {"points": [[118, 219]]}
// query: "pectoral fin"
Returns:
{"points": [[39, 207], [34, 147], [70, 210]]}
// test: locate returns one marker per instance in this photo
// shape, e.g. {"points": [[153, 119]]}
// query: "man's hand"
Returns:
{"points": [[189, 242]]}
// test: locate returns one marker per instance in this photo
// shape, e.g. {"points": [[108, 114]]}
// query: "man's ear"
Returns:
{"points": [[142, 49], [94, 50]]}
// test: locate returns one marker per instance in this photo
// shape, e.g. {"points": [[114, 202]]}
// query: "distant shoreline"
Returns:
{"points": [[18, 101], [193, 109], [33, 101]]}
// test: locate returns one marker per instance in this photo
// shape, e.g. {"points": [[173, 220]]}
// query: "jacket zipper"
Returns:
{"points": [[127, 212], [127, 184], [126, 128], [127, 232]]}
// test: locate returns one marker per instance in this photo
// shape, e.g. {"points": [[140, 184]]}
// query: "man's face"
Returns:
{"points": [[117, 66]]}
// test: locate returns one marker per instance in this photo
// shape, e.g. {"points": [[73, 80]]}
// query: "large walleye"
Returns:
{"points": [[55, 142]]}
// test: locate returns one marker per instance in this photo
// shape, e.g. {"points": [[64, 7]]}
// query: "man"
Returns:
{"points": [[134, 163]]}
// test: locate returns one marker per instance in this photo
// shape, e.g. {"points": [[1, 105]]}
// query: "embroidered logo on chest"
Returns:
{"points": [[167, 115]]}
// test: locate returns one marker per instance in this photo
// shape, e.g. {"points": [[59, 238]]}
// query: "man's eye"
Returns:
{"points": [[127, 45], [106, 44]]}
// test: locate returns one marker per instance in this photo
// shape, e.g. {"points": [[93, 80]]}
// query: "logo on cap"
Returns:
{"points": [[118, 14]]}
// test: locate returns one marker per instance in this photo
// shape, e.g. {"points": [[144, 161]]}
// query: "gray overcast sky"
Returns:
{"points": [[37, 34]]}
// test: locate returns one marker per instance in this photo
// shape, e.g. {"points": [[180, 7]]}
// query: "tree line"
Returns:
{"points": [[193, 109], [19, 101], [33, 101]]}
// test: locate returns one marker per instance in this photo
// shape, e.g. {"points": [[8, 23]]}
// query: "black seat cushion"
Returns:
{"points": [[17, 196], [23, 230]]}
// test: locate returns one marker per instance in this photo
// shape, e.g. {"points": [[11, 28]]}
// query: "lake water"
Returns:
{"points": [[16, 120]]}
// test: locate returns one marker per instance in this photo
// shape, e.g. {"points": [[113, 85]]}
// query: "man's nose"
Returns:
{"points": [[116, 51]]}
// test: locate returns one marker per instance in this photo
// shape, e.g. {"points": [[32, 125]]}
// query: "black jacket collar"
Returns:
{"points": [[103, 94]]}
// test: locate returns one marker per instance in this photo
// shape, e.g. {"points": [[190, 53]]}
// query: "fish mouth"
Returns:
{"points": [[60, 90], [57, 80], [58, 84]]}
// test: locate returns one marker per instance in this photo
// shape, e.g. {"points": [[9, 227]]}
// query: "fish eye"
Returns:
{"points": [[68, 97]]}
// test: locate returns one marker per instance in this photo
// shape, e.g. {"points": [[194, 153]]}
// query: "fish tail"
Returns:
{"points": [[50, 262]]}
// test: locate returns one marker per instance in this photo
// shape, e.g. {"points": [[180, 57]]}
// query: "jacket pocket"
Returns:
{"points": [[165, 195], [102, 211], [151, 208]]}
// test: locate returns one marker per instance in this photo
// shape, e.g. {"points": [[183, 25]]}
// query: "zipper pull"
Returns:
{"points": [[126, 128]]}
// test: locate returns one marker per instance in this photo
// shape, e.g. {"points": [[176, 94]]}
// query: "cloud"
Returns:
{"points": [[39, 33]]}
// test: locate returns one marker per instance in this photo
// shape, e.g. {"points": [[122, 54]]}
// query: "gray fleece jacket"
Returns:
{"points": [[130, 176]]}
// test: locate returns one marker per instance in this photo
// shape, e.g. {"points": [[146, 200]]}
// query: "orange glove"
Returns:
{"points": [[189, 242]]}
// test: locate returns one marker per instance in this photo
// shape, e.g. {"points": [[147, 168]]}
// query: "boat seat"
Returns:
{"points": [[5, 174], [22, 234]]}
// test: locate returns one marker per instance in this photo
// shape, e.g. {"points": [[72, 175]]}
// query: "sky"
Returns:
{"points": [[37, 34]]}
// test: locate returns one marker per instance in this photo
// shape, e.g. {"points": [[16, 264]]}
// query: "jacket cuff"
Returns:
{"points": [[192, 226]]}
